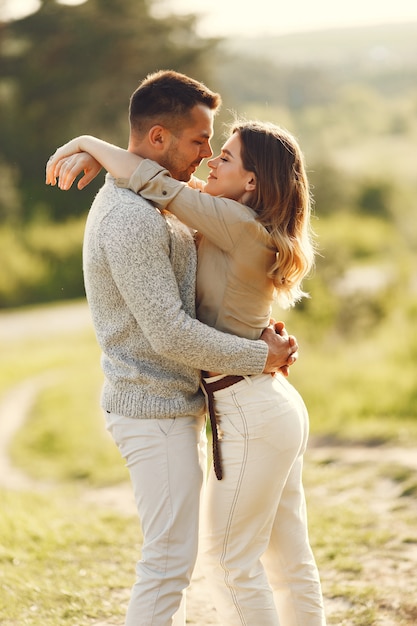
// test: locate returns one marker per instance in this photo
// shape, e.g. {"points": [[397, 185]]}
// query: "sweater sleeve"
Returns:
{"points": [[138, 255], [221, 220]]}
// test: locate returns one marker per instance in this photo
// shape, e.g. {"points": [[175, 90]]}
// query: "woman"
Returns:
{"points": [[254, 246]]}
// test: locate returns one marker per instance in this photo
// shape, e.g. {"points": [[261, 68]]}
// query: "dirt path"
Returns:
{"points": [[394, 565]]}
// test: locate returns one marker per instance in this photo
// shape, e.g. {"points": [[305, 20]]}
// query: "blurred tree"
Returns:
{"points": [[375, 198], [67, 70], [332, 189]]}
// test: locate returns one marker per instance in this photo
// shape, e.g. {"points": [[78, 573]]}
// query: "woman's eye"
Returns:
{"points": [[223, 159]]}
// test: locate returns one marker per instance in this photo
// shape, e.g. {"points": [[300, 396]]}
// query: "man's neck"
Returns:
{"points": [[142, 149]]}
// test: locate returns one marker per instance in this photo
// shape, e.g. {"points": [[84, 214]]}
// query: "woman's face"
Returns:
{"points": [[227, 177]]}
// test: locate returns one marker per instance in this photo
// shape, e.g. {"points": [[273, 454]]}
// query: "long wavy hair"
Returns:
{"points": [[282, 200]]}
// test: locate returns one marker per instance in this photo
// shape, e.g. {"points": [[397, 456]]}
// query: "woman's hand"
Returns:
{"points": [[67, 150], [66, 170], [66, 163]]}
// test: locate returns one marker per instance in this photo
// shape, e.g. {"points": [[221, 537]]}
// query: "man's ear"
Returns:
{"points": [[251, 183], [158, 137]]}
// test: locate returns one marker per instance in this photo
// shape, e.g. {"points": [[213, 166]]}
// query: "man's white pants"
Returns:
{"points": [[166, 459], [254, 542]]}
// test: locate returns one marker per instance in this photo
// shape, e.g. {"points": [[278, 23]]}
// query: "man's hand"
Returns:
{"points": [[67, 168], [282, 349], [281, 330]]}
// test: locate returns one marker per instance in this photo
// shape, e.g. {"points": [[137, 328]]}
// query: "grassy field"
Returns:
{"points": [[66, 561], [62, 562]]}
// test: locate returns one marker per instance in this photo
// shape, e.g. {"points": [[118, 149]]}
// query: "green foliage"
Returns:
{"points": [[359, 382], [67, 70], [358, 276], [346, 239], [332, 189], [41, 263], [359, 320], [375, 198]]}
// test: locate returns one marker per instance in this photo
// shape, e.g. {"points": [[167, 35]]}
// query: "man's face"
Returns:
{"points": [[185, 152]]}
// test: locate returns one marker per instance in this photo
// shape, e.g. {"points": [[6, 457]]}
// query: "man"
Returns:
{"points": [[139, 269]]}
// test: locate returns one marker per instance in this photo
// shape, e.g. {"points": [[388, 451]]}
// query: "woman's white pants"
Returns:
{"points": [[166, 459], [254, 541]]}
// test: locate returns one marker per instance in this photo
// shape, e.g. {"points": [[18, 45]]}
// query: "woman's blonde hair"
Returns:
{"points": [[282, 201]]}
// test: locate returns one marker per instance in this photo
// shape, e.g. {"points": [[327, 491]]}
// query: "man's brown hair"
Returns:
{"points": [[166, 97]]}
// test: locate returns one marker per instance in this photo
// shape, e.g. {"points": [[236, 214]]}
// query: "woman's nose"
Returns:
{"points": [[212, 163]]}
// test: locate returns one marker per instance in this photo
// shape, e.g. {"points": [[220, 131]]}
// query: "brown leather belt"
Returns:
{"points": [[210, 389]]}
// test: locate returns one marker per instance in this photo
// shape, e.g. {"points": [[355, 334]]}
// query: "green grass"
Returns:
{"points": [[64, 438], [61, 562]]}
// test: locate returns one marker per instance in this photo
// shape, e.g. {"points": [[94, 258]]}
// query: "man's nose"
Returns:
{"points": [[206, 152]]}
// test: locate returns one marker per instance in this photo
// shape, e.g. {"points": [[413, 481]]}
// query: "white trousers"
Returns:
{"points": [[166, 459], [254, 541]]}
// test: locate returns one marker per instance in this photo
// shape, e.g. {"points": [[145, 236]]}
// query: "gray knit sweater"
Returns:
{"points": [[139, 272]]}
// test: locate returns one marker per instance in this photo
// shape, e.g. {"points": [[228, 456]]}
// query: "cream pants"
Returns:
{"points": [[166, 459], [255, 549]]}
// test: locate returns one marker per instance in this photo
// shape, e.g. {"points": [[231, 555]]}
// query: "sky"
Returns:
{"points": [[268, 17]]}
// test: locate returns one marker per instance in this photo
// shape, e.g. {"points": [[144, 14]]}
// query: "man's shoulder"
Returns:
{"points": [[115, 204], [120, 220]]}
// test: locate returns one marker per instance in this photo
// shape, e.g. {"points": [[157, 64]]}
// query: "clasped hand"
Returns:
{"points": [[67, 163], [282, 348]]}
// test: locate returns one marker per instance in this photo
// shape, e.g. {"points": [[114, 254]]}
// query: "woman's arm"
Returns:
{"points": [[219, 219], [71, 159]]}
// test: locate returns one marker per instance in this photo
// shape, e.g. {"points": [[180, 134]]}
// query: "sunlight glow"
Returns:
{"points": [[276, 17], [18, 9], [267, 17]]}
